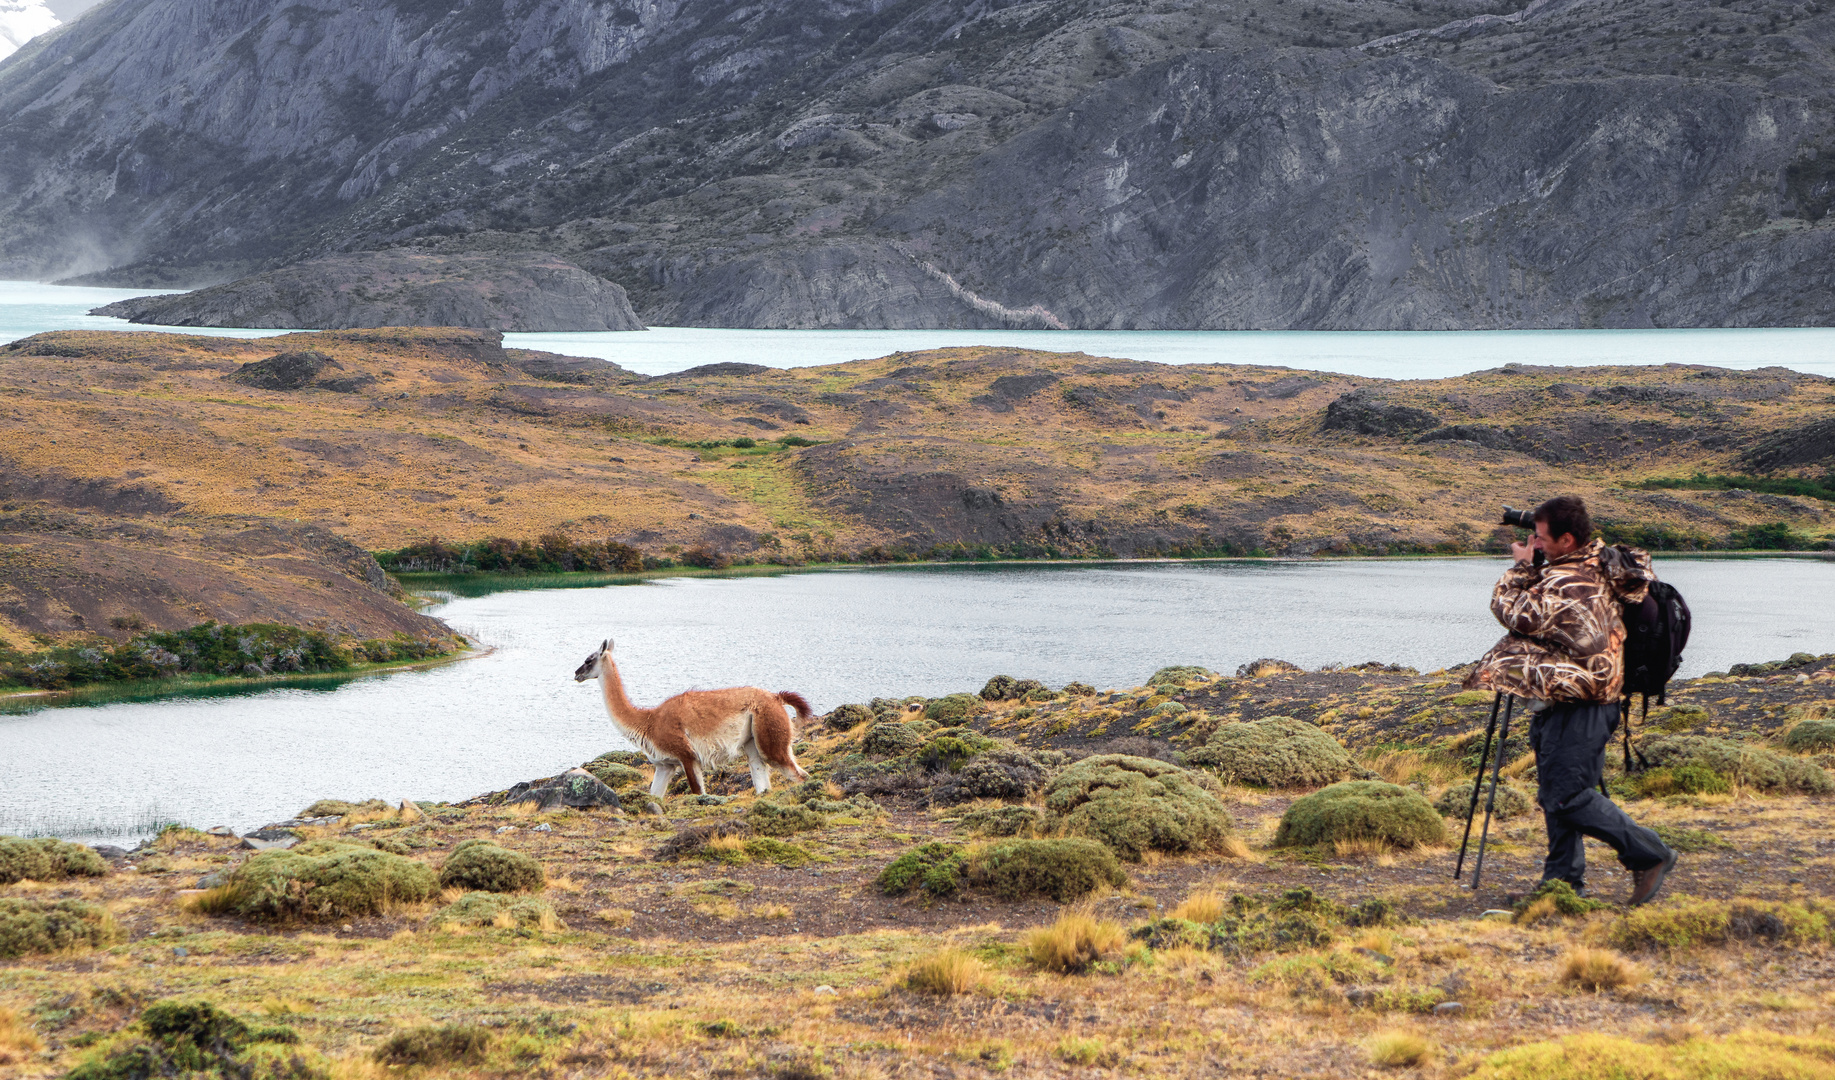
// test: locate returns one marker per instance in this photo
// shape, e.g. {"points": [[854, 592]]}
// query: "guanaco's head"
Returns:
{"points": [[590, 669]]}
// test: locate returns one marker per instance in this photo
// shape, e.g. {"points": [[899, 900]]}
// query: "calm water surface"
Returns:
{"points": [[29, 308], [455, 731]]}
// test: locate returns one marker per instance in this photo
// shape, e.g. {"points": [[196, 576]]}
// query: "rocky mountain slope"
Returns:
{"points": [[390, 437], [1169, 163]]}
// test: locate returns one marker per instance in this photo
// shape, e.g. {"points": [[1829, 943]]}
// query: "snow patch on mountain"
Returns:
{"points": [[20, 22]]}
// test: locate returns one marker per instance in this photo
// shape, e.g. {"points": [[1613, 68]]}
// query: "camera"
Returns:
{"points": [[1522, 519]]}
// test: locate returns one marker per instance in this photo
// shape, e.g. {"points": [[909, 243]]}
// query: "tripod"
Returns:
{"points": [[1508, 702]]}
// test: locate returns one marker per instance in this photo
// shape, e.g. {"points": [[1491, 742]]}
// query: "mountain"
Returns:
{"points": [[1161, 164], [21, 21]]}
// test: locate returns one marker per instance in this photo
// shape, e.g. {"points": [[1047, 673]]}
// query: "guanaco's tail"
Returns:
{"points": [[797, 702]]}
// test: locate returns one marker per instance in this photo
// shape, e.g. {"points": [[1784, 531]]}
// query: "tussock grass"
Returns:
{"points": [[1684, 923], [1204, 906], [615, 916], [1073, 1050], [1075, 942], [1401, 1050], [1597, 969], [1747, 1055], [454, 1044], [17, 1039], [951, 971]]}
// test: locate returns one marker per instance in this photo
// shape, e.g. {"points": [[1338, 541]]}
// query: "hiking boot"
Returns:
{"points": [[1645, 883]]}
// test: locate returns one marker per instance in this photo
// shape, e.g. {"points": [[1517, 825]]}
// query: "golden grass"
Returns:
{"points": [[1076, 941], [772, 911], [1236, 847], [1073, 1050], [1401, 1050], [17, 1039], [1204, 906], [1742, 1055], [949, 971], [1597, 969]]}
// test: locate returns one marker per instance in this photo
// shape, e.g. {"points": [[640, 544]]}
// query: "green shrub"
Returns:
{"points": [[340, 808], [1456, 800], [46, 859], [1179, 675], [480, 864], [1680, 780], [1008, 688], [1361, 810], [196, 1040], [483, 909], [894, 739], [340, 882], [1004, 821], [1004, 772], [1063, 869], [952, 708], [1276, 752], [950, 748], [936, 867], [778, 819], [1135, 805], [32, 925], [1749, 766], [1810, 736], [454, 1044], [1683, 923], [848, 717]]}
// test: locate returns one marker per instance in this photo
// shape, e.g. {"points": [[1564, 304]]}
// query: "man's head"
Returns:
{"points": [[1562, 525]]}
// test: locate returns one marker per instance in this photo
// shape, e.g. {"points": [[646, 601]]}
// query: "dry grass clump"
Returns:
{"points": [[1204, 906], [950, 971], [1075, 942], [1401, 1050], [17, 1039], [1598, 969], [482, 865], [454, 1044], [1748, 1055]]}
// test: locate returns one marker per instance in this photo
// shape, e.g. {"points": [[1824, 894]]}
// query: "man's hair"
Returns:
{"points": [[1566, 514]]}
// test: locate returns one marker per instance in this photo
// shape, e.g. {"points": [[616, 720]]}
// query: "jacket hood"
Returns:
{"points": [[1626, 570]]}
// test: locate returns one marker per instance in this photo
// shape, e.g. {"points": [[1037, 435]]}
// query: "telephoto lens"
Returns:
{"points": [[1522, 519]]}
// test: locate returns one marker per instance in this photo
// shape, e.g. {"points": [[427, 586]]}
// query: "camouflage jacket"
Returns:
{"points": [[1566, 640]]}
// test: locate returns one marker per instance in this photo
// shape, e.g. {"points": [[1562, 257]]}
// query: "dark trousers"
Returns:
{"points": [[1569, 739]]}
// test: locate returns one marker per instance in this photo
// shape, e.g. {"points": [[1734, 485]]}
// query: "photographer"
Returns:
{"points": [[1565, 654]]}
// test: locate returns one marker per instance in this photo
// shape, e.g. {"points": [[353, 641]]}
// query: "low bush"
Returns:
{"points": [[1073, 944], [1748, 766], [948, 972], [1361, 810], [949, 748], [1597, 969], [1136, 805], [482, 865], [1063, 869], [1511, 802], [32, 925], [1684, 923], [1278, 752], [1552, 898], [46, 859], [1179, 675], [936, 867], [1810, 736], [336, 881], [1679, 780], [197, 1040], [1004, 821], [453, 1044], [780, 819], [498, 909], [1008, 688], [953, 708], [1751, 1055], [1004, 772], [894, 739], [848, 717]]}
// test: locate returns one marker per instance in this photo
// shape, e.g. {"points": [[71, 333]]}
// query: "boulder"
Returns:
{"points": [[574, 788]]}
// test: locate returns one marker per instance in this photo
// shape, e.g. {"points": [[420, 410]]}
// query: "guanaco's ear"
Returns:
{"points": [[606, 645]]}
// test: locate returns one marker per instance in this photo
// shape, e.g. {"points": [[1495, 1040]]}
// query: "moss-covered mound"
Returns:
{"points": [[1277, 752], [197, 1040], [342, 882], [1749, 766], [1361, 810], [936, 868], [953, 708], [32, 925], [1456, 800], [482, 865], [1136, 805], [1179, 675], [46, 859], [1004, 821], [1811, 736], [783, 819], [497, 909], [1062, 868]]}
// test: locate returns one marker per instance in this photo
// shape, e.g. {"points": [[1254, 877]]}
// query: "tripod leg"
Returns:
{"points": [[1497, 767], [1478, 782]]}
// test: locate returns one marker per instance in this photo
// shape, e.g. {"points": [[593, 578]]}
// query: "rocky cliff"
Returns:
{"points": [[516, 292], [1177, 163]]}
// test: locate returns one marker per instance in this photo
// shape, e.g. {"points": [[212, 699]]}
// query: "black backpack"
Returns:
{"points": [[1656, 631]]}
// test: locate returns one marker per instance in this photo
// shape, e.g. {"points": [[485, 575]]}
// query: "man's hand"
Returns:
{"points": [[1522, 553]]}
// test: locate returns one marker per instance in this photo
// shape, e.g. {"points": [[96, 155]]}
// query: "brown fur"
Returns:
{"points": [[701, 728]]}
